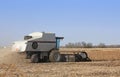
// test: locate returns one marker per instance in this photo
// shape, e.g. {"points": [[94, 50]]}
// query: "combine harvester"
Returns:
{"points": [[44, 47]]}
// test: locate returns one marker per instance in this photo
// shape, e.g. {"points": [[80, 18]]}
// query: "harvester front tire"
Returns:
{"points": [[54, 56]]}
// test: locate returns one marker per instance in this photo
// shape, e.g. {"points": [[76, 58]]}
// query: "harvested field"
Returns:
{"points": [[106, 63]]}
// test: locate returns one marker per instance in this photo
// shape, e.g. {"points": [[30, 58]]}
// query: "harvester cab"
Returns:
{"points": [[58, 42]]}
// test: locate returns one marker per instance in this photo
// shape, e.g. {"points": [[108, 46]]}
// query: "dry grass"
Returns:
{"points": [[106, 64]]}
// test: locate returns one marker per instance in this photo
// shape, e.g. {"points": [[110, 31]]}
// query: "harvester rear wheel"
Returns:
{"points": [[35, 58], [54, 56]]}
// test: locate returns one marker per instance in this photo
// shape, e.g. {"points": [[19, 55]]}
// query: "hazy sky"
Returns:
{"points": [[77, 20]]}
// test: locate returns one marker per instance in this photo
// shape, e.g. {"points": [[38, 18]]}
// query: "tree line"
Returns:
{"points": [[89, 45]]}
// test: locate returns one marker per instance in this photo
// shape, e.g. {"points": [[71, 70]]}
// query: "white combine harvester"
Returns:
{"points": [[41, 46]]}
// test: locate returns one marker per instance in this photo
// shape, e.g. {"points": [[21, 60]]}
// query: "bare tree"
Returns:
{"points": [[101, 45]]}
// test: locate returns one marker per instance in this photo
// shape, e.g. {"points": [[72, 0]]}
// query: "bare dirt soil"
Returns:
{"points": [[106, 63]]}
